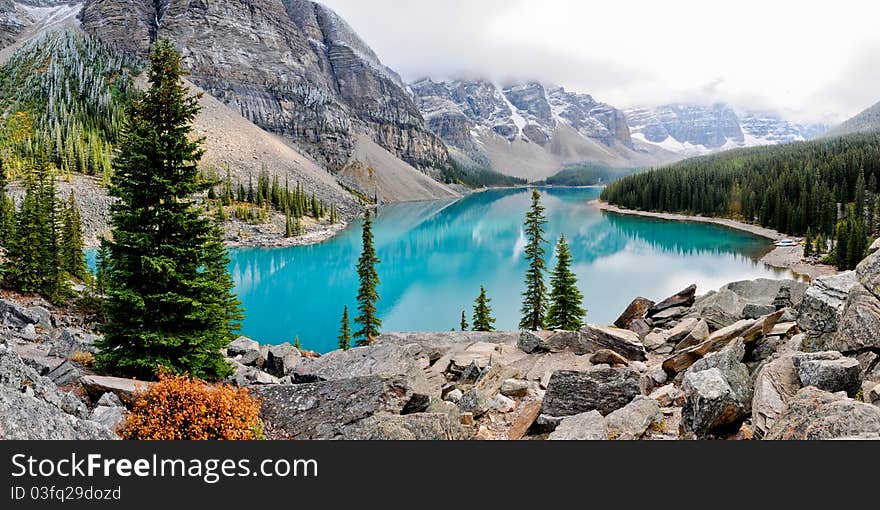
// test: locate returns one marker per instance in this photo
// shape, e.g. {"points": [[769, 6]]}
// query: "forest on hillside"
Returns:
{"points": [[824, 189]]}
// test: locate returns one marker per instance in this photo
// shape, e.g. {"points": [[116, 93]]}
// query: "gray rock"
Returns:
{"points": [[109, 412], [109, 400], [832, 373], [29, 332], [667, 396], [735, 373], [755, 311], [581, 427], [515, 388], [814, 414], [608, 357], [601, 389], [633, 421], [282, 360], [454, 396], [654, 341], [475, 402], [532, 342], [727, 306], [72, 341], [669, 315], [323, 410], [546, 424], [65, 374], [822, 307], [412, 427], [711, 406], [623, 342], [859, 326], [697, 335], [382, 358], [641, 327], [502, 404], [44, 317], [16, 316], [125, 389], [242, 346], [250, 376], [868, 271], [34, 408]]}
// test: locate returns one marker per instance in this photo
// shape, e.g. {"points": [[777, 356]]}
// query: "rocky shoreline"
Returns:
{"points": [[763, 359], [791, 258]]}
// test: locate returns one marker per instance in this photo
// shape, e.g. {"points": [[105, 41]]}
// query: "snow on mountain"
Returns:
{"points": [[694, 130]]}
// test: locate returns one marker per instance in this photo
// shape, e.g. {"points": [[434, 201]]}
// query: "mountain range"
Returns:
{"points": [[298, 74]]}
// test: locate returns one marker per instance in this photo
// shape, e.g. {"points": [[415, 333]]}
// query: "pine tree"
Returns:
{"points": [[534, 298], [808, 243], [7, 212], [169, 294], [73, 259], [565, 310], [483, 320], [368, 295], [464, 324], [345, 331]]}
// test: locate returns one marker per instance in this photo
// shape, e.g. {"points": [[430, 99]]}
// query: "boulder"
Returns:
{"points": [[454, 396], [323, 410], [666, 317], [636, 310], [412, 427], [728, 361], [43, 316], [871, 394], [711, 406], [813, 414], [33, 408], [746, 299], [16, 316], [623, 342], [633, 421], [475, 402], [874, 248], [608, 357], [654, 341], [502, 404], [601, 389], [755, 311], [71, 341], [829, 371], [125, 389], [533, 341], [776, 384], [824, 301], [65, 374], [109, 412], [641, 327], [411, 360], [684, 299], [859, 326], [682, 329], [588, 426], [250, 376], [515, 388], [667, 396], [682, 360], [241, 346], [697, 335], [868, 272], [282, 360], [526, 417]]}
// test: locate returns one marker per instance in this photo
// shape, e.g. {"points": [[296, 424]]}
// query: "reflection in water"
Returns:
{"points": [[435, 256]]}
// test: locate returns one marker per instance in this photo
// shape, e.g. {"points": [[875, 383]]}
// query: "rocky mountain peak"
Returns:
{"points": [[293, 67]]}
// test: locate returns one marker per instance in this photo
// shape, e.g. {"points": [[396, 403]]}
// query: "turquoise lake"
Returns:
{"points": [[435, 256]]}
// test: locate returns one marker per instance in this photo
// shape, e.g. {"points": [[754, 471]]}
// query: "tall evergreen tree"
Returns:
{"points": [[345, 331], [565, 310], [534, 304], [483, 320], [7, 212], [368, 294], [464, 324], [169, 294], [73, 259]]}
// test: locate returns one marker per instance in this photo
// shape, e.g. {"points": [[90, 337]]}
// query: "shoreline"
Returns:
{"points": [[790, 258]]}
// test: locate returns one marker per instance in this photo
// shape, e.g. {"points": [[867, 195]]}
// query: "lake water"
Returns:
{"points": [[435, 256]]}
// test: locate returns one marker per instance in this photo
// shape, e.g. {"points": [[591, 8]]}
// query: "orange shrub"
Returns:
{"points": [[184, 408]]}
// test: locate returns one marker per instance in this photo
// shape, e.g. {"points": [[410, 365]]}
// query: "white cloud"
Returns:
{"points": [[809, 60]]}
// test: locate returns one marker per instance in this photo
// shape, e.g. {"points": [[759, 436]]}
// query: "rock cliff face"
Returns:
{"points": [[10, 22], [528, 129], [693, 130], [292, 67]]}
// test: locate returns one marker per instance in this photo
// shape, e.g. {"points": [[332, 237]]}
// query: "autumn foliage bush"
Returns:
{"points": [[180, 407]]}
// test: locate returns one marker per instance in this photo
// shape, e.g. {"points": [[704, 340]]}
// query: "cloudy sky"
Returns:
{"points": [[807, 60]]}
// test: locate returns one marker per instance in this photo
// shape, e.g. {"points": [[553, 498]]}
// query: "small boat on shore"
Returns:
{"points": [[786, 243]]}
